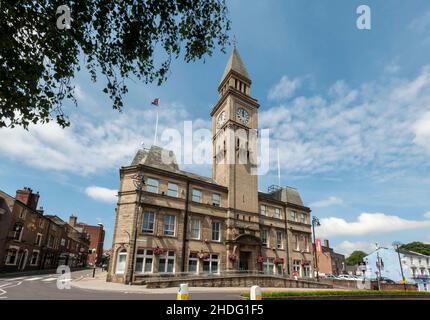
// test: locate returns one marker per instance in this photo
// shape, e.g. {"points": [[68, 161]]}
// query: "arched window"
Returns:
{"points": [[120, 263]]}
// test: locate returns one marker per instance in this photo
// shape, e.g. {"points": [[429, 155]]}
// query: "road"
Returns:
{"points": [[44, 287]]}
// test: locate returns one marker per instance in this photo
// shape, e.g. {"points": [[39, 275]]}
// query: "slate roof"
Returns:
{"points": [[286, 194], [154, 156], [236, 64]]}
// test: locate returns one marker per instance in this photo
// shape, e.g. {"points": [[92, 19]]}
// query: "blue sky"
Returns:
{"points": [[349, 110]]}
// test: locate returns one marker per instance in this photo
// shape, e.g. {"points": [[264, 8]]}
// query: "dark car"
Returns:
{"points": [[387, 280]]}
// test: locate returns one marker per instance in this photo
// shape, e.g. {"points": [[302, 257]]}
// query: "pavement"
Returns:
{"points": [[83, 286]]}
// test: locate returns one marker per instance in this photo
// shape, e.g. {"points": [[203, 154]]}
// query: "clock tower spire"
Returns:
{"points": [[234, 125]]}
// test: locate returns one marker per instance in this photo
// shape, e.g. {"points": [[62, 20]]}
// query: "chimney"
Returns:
{"points": [[73, 220], [326, 244], [27, 197]]}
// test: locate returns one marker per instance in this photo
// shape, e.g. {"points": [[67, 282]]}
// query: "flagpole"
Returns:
{"points": [[279, 170], [156, 127]]}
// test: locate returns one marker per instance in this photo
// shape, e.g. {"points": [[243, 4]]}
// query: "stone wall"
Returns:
{"points": [[235, 281]]}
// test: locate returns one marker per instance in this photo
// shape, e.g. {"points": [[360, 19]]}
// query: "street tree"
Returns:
{"points": [[355, 258], [44, 43]]}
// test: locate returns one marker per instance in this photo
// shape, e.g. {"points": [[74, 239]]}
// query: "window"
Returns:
{"points": [[264, 238], [172, 190], [279, 239], [211, 265], [34, 257], [296, 242], [169, 225], [279, 269], [197, 195], [144, 259], [216, 227], [120, 265], [17, 231], [268, 266], [63, 242], [152, 185], [277, 213], [296, 267], [22, 214], [38, 240], [263, 210], [166, 263], [50, 240], [305, 244], [293, 215], [216, 199], [41, 223], [148, 222], [193, 263], [195, 228], [302, 218], [11, 256], [307, 271]]}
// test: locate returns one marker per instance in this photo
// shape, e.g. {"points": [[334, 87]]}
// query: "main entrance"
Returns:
{"points": [[244, 257]]}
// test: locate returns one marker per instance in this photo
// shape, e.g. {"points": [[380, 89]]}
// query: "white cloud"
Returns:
{"points": [[102, 194], [422, 131], [330, 201], [89, 145], [347, 247], [368, 223], [381, 125], [284, 89], [427, 215]]}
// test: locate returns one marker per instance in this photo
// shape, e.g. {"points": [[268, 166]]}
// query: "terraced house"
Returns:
{"points": [[32, 240], [185, 223]]}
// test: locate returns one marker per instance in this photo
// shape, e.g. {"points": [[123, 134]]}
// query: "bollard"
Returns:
{"points": [[255, 293], [183, 292]]}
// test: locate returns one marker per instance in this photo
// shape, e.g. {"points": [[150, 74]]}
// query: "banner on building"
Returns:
{"points": [[318, 245]]}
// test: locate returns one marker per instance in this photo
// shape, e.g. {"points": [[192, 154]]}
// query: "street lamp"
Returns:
{"points": [[397, 244], [315, 222], [139, 182]]}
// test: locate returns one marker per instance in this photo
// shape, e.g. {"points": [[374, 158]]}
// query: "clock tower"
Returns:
{"points": [[234, 130]]}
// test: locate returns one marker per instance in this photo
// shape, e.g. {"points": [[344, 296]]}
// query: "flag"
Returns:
{"points": [[156, 102], [318, 245]]}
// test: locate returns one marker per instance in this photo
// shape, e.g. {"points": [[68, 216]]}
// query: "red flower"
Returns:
{"points": [[261, 259], [158, 251], [203, 255], [232, 257]]}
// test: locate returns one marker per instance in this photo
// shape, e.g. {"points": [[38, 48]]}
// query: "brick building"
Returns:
{"points": [[30, 240], [192, 224], [96, 235], [330, 262]]}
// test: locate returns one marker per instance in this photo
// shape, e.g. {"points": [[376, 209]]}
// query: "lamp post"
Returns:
{"points": [[315, 222], [139, 182], [397, 244]]}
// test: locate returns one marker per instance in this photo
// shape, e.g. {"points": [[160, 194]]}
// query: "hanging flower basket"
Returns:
{"points": [[261, 259], [232, 257], [278, 261], [158, 251], [203, 255]]}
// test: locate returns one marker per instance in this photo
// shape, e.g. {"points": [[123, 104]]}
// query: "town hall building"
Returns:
{"points": [[180, 223]]}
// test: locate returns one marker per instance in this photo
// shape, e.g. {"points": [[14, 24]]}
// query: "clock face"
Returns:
{"points": [[221, 119], [242, 115]]}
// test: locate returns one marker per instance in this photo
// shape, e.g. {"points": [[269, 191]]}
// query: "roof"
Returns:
{"points": [[235, 63], [163, 159], [287, 194]]}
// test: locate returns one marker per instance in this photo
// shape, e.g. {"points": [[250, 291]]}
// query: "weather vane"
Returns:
{"points": [[234, 41]]}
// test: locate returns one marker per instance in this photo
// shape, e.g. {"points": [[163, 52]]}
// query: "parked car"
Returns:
{"points": [[387, 280]]}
